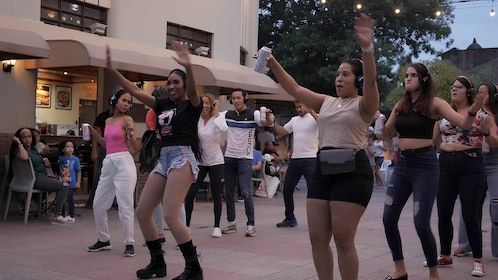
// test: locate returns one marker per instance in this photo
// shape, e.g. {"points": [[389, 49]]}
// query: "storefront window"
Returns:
{"points": [[194, 38]]}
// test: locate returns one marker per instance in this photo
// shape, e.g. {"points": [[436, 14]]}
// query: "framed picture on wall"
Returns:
{"points": [[43, 94], [63, 98]]}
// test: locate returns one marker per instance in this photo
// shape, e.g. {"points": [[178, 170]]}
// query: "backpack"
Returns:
{"points": [[149, 154]]}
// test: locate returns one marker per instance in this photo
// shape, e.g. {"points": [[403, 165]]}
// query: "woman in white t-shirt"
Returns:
{"points": [[212, 160]]}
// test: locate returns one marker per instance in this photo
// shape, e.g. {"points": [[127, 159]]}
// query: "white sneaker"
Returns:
{"points": [[216, 232], [478, 270], [70, 220], [59, 220]]}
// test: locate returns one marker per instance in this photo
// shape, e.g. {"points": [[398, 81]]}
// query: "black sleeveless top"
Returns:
{"points": [[414, 125]]}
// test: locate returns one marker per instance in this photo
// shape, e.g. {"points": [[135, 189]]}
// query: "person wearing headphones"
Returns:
{"points": [[462, 174], [413, 118], [242, 122], [119, 174], [490, 155], [338, 197]]}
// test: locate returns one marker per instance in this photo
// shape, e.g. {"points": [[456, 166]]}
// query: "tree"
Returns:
{"points": [[311, 39], [443, 73]]}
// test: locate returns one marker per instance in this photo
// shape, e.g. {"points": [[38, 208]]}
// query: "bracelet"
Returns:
{"points": [[368, 49], [472, 114]]}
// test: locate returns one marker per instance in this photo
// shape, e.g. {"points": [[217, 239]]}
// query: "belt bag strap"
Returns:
{"points": [[337, 161]]}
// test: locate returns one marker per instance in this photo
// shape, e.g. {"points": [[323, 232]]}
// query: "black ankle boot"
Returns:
{"points": [[193, 270], [157, 265]]}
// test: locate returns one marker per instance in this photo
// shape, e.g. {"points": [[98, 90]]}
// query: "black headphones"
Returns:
{"points": [[114, 98], [244, 93]]}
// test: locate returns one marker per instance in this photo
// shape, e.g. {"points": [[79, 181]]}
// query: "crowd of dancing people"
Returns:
{"points": [[444, 151]]}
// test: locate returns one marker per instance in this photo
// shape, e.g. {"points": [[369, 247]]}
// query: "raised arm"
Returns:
{"points": [[308, 97], [444, 109], [127, 85], [369, 104], [184, 59]]}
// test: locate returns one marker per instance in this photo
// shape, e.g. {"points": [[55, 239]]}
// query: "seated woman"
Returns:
{"points": [[23, 148]]}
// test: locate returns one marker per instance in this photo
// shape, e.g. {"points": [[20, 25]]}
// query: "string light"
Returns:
{"points": [[492, 13]]}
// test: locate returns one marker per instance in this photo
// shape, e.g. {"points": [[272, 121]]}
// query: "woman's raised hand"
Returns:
{"points": [[363, 29], [108, 60], [183, 53]]}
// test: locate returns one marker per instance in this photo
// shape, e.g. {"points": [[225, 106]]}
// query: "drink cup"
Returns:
{"points": [[85, 129], [262, 112], [263, 55]]}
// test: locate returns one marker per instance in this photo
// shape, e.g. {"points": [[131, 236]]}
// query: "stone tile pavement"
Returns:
{"points": [[41, 250]]}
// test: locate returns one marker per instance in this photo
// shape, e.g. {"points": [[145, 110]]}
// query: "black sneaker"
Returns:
{"points": [[99, 246], [129, 251]]}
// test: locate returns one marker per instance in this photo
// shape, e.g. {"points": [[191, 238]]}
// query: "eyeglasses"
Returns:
{"points": [[456, 87]]}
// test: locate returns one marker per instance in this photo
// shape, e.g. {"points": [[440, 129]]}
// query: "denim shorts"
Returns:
{"points": [[176, 157]]}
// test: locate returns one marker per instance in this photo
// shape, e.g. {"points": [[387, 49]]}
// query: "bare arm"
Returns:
{"points": [[127, 85], [280, 130], [369, 103], [436, 134], [389, 129], [96, 138], [257, 166], [444, 109], [78, 179], [131, 140], [23, 154], [184, 59], [314, 114], [310, 98]]}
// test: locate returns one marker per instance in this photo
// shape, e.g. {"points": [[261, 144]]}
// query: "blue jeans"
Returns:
{"points": [[415, 174], [239, 168], [297, 167], [462, 175]]}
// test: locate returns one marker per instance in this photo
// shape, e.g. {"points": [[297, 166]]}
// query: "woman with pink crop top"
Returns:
{"points": [[177, 167], [417, 171], [119, 174]]}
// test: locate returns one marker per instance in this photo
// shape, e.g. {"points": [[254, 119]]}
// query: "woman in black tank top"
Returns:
{"points": [[416, 171]]}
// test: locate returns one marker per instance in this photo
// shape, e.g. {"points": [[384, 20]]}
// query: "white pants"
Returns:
{"points": [[118, 178]]}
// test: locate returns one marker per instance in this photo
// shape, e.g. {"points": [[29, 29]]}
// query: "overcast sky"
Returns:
{"points": [[472, 20]]}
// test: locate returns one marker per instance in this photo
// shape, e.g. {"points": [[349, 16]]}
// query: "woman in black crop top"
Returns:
{"points": [[416, 171], [177, 167]]}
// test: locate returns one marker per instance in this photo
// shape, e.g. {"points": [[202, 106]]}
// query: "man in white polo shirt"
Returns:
{"points": [[304, 129]]}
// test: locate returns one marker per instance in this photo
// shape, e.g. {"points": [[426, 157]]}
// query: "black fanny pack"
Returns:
{"points": [[337, 161]]}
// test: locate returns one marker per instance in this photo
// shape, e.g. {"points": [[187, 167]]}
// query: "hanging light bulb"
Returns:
{"points": [[492, 13]]}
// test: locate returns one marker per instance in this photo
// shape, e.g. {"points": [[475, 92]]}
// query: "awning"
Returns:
{"points": [[19, 44], [80, 52], [74, 55], [282, 95], [209, 72]]}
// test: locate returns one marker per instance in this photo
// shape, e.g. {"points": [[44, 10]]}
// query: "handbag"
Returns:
{"points": [[337, 161], [149, 154]]}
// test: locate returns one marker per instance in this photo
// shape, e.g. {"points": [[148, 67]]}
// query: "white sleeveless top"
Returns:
{"points": [[340, 124]]}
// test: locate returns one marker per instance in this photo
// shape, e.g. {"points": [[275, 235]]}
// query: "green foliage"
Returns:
{"points": [[310, 39], [443, 74]]}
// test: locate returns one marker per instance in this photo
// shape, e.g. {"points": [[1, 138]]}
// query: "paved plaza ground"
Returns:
{"points": [[41, 250]]}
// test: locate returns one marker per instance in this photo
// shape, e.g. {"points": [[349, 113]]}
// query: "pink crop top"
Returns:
{"points": [[114, 139]]}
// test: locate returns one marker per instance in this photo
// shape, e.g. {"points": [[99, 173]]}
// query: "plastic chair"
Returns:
{"points": [[23, 181], [384, 168], [256, 180]]}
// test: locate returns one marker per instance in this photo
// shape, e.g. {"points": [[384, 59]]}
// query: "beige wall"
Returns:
{"points": [[25, 9]]}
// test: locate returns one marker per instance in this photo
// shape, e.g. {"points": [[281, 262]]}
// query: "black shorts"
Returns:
{"points": [[355, 187]]}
